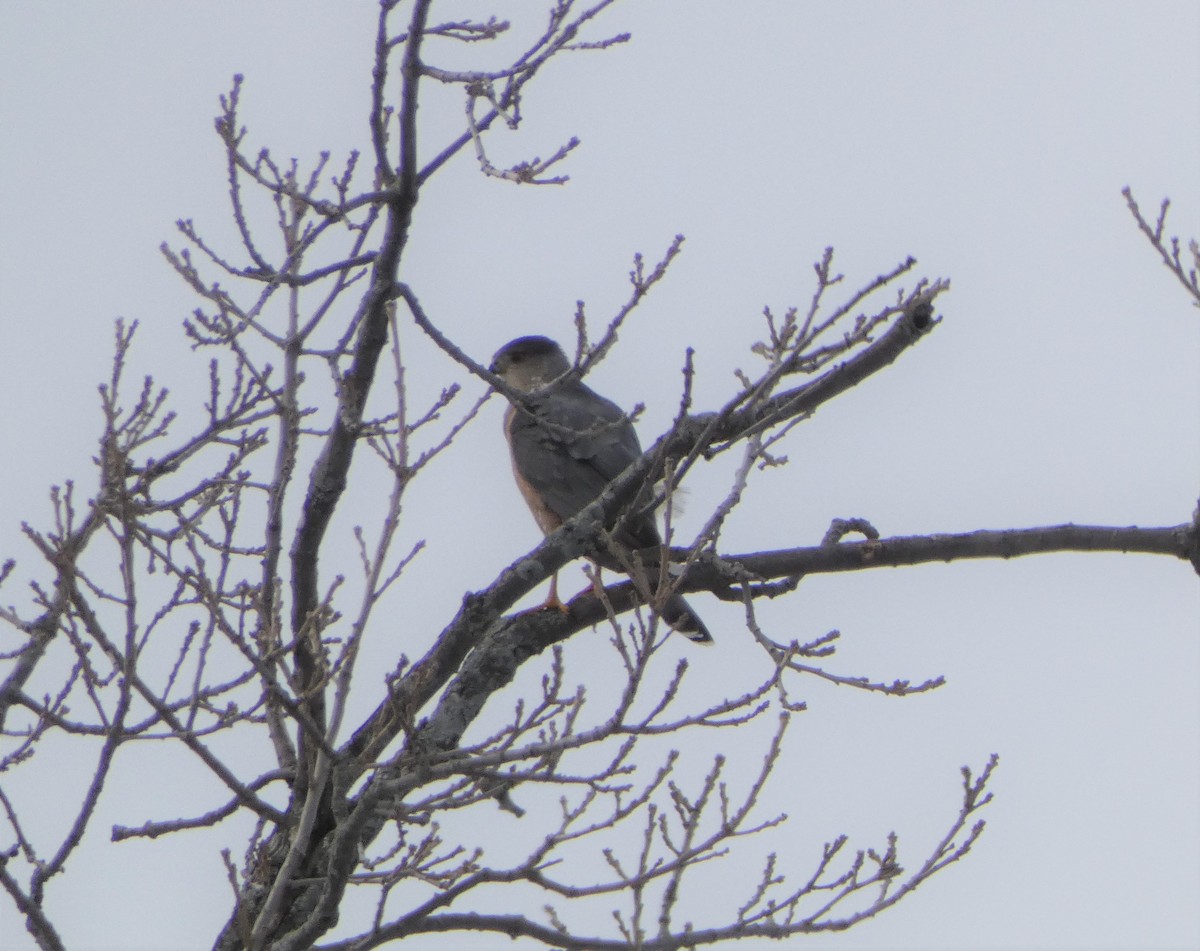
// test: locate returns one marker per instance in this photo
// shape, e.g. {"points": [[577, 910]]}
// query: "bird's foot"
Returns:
{"points": [[554, 603], [550, 604]]}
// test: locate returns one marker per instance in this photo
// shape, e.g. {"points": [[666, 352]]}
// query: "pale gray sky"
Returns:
{"points": [[989, 140]]}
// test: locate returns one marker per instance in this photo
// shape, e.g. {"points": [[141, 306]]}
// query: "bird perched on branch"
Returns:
{"points": [[568, 443]]}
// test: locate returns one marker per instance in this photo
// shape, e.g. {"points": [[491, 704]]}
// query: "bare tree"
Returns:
{"points": [[192, 598]]}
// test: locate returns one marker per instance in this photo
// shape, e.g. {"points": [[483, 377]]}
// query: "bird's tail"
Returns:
{"points": [[640, 556], [680, 617]]}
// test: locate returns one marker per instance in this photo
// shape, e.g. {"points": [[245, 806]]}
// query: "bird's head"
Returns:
{"points": [[530, 363]]}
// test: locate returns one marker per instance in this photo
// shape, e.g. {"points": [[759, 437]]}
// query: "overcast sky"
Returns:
{"points": [[990, 140]]}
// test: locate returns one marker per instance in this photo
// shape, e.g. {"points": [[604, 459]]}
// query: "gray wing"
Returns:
{"points": [[571, 446]]}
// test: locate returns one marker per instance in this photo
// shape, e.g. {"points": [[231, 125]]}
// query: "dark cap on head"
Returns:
{"points": [[530, 362]]}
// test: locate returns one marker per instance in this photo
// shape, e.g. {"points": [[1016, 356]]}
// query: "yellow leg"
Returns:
{"points": [[552, 600]]}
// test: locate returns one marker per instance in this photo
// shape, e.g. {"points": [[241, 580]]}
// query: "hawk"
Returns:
{"points": [[568, 443]]}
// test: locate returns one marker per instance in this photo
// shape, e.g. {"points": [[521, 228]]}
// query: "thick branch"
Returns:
{"points": [[709, 570], [493, 663], [328, 480]]}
